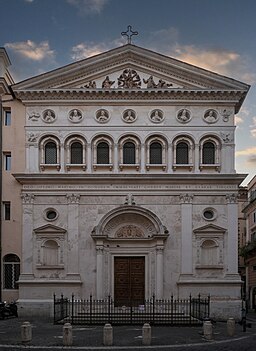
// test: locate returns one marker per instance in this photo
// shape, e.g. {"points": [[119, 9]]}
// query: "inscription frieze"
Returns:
{"points": [[128, 187]]}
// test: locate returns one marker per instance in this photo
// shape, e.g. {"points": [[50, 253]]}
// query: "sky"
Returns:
{"points": [[219, 35]]}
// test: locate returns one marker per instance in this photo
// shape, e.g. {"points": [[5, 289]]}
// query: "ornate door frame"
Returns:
{"points": [[129, 231]]}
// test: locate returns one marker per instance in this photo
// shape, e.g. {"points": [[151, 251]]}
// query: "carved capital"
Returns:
{"points": [[186, 198], [73, 198], [27, 198], [99, 250], [231, 198]]}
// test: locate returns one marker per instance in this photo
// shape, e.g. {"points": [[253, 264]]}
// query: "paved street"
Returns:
{"points": [[47, 336]]}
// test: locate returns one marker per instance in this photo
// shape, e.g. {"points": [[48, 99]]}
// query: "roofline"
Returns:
{"points": [[151, 52]]}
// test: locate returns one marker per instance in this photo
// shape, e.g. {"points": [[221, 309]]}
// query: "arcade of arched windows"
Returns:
{"points": [[155, 152]]}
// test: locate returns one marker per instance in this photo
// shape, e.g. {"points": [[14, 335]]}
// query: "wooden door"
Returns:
{"points": [[129, 282]]}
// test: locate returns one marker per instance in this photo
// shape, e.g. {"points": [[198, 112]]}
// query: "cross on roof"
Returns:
{"points": [[129, 33]]}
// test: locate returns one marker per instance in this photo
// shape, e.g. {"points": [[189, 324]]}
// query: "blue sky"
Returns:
{"points": [[218, 35]]}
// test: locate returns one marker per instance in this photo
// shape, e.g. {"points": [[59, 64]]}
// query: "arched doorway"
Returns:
{"points": [[129, 262]]}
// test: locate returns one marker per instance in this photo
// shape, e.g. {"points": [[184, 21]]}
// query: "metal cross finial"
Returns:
{"points": [[129, 33]]}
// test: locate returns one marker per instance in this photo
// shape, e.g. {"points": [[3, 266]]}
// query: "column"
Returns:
{"points": [[196, 158], [159, 272], [89, 158], [142, 159], [27, 236], [73, 235], [186, 234], [61, 158], [232, 234], [115, 159], [99, 271]]}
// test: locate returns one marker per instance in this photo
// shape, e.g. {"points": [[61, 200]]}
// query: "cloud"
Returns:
{"points": [[84, 50], [88, 6], [220, 60], [250, 152], [30, 50]]}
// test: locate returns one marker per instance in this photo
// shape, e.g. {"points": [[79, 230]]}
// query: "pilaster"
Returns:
{"points": [[73, 235], [186, 234]]}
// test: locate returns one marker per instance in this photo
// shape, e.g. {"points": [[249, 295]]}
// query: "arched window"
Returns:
{"points": [[11, 271], [155, 153], [182, 153], [50, 151], [129, 153], [103, 153], [76, 153], [50, 253], [208, 153]]}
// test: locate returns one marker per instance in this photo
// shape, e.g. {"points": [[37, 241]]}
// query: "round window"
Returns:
{"points": [[51, 214], [209, 214]]}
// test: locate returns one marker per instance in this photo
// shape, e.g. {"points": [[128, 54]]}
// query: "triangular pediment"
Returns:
{"points": [[90, 73], [49, 228], [210, 228]]}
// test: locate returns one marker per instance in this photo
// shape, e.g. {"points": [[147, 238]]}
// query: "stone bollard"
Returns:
{"points": [[207, 330], [26, 332], [67, 335], [146, 334], [231, 326], [108, 335]]}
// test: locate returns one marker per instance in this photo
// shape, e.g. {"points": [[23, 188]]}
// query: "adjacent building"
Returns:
{"points": [[248, 251], [128, 185]]}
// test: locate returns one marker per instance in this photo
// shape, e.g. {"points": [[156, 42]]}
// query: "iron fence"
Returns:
{"points": [[191, 311]]}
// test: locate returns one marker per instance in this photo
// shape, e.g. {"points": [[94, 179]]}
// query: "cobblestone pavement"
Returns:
{"points": [[46, 336]]}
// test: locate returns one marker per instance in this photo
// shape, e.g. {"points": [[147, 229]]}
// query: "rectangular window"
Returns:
{"points": [[7, 117], [7, 161], [7, 211], [254, 217], [254, 268]]}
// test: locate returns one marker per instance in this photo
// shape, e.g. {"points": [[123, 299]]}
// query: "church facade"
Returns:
{"points": [[129, 187]]}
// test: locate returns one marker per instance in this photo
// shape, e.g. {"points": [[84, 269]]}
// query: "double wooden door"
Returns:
{"points": [[129, 282]]}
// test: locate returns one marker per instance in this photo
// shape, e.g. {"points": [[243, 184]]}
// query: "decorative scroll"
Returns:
{"points": [[34, 116], [129, 231], [73, 198], [186, 198], [231, 198], [27, 198]]}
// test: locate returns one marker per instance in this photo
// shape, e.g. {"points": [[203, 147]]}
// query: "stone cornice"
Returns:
{"points": [[202, 180], [234, 96]]}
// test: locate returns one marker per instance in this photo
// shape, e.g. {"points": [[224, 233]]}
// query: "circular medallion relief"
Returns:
{"points": [[210, 116], [156, 116], [75, 116], [102, 116], [49, 116], [184, 116], [129, 116]]}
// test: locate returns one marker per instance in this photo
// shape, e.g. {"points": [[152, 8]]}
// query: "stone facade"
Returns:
{"points": [[130, 154]]}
